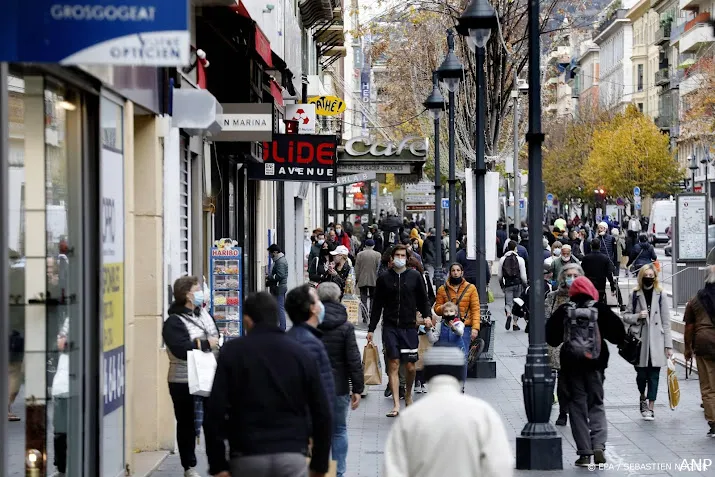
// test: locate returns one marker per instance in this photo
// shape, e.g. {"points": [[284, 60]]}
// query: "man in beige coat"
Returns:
{"points": [[366, 265]]}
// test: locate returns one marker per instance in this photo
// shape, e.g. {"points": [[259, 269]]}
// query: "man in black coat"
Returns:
{"points": [[339, 340], [598, 268]]}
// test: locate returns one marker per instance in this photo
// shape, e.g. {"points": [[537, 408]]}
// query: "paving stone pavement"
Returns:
{"points": [[634, 448]]}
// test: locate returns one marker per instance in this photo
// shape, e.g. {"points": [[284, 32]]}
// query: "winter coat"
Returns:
{"points": [[643, 253], [558, 264], [280, 273], [522, 268], [654, 331], [340, 278], [310, 338], [366, 265], [429, 250], [553, 301], [339, 340], [186, 330], [608, 247], [599, 269], [699, 329], [468, 306], [446, 433]]}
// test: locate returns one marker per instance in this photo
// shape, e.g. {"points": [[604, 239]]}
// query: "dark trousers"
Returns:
{"points": [[60, 440], [562, 392], [648, 377], [185, 427], [588, 415], [365, 294]]}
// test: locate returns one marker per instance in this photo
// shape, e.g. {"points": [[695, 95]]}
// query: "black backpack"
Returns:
{"points": [[511, 270], [582, 337]]}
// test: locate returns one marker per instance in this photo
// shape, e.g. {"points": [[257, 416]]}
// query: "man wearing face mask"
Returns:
{"points": [[608, 244], [314, 257], [399, 294], [306, 311], [278, 280], [561, 259]]}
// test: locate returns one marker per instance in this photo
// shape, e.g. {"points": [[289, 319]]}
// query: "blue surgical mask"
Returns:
{"points": [[422, 329], [321, 313], [399, 263], [198, 298], [569, 281], [321, 242]]}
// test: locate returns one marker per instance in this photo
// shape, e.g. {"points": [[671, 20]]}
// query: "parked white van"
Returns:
{"points": [[661, 214]]}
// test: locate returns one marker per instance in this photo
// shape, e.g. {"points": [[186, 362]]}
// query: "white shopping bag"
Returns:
{"points": [[202, 368], [61, 381]]}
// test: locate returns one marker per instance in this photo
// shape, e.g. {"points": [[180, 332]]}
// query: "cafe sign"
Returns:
{"points": [[364, 146], [328, 105]]}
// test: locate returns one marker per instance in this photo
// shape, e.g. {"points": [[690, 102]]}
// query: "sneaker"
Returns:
{"points": [[402, 392], [649, 416], [516, 327], [599, 457], [418, 387], [526, 329], [424, 388], [191, 473], [508, 323], [562, 420], [583, 461], [644, 407], [711, 433], [388, 391]]}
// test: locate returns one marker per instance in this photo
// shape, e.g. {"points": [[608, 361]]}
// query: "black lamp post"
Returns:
{"points": [[539, 446], [476, 23], [435, 105], [451, 72], [706, 162], [693, 169]]}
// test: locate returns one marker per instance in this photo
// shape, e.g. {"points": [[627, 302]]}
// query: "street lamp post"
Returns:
{"points": [[477, 22], [435, 104], [706, 161], [451, 72], [693, 168], [539, 446]]}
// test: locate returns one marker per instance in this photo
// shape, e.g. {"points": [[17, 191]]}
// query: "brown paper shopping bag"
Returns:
{"points": [[673, 386], [372, 371]]}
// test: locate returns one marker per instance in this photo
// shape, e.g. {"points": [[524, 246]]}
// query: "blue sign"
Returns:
{"points": [[445, 203], [638, 206], [549, 197], [522, 204], [113, 389], [636, 190], [98, 32]]}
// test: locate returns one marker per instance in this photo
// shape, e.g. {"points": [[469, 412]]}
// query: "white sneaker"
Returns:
{"points": [[424, 388], [649, 416], [191, 473]]}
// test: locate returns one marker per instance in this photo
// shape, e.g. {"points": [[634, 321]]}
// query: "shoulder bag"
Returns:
{"points": [[630, 349]]}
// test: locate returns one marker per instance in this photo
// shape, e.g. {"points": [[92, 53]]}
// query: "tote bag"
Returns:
{"points": [[201, 370], [372, 371], [673, 386], [61, 381]]}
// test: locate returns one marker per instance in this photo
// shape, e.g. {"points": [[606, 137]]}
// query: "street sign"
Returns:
{"points": [[636, 191], [550, 197], [620, 202], [420, 188], [419, 199], [445, 203], [638, 206], [346, 167], [351, 179], [419, 207], [522, 204]]}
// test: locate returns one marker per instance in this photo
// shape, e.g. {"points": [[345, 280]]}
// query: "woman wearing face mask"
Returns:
{"points": [[649, 319], [415, 249], [554, 300], [338, 270], [186, 329], [555, 253]]}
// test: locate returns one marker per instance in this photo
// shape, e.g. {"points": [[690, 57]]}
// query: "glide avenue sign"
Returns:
{"points": [[298, 158]]}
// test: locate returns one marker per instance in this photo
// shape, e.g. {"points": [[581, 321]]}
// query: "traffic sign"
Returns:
{"points": [[638, 206], [522, 204], [636, 191], [550, 197], [445, 203]]}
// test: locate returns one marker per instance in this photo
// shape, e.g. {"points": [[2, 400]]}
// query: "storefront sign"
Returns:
{"points": [[351, 179], [372, 166], [114, 32], [299, 158], [304, 114], [245, 122], [328, 105], [362, 146]]}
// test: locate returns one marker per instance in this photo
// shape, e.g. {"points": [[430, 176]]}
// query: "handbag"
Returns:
{"points": [[630, 349], [201, 371], [61, 381]]}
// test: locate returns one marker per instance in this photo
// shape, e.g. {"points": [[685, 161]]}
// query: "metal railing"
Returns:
{"points": [[662, 36], [662, 77]]}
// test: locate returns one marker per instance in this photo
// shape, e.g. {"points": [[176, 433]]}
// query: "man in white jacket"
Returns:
{"points": [[512, 279], [447, 433]]}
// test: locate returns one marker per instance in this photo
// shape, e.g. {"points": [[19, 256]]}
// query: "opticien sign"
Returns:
{"points": [[328, 105], [417, 146]]}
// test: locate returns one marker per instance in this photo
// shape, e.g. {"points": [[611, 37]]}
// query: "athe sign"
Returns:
{"points": [[245, 122], [298, 158], [97, 32], [362, 146], [328, 105]]}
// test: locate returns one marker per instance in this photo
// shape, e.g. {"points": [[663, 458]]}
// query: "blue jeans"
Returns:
{"points": [[281, 299], [340, 432]]}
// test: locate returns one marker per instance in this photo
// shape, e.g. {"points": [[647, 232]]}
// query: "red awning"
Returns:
{"points": [[277, 93], [241, 10], [263, 47]]}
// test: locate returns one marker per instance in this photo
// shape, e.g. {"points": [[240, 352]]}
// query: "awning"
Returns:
{"points": [[241, 10], [277, 93], [195, 111], [263, 47]]}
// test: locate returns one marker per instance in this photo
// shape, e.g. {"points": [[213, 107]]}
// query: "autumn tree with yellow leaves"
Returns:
{"points": [[629, 151]]}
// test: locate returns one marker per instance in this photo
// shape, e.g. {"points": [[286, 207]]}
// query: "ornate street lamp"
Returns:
{"points": [[693, 169], [435, 105], [451, 73]]}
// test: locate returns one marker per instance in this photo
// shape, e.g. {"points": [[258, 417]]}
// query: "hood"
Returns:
{"points": [[335, 315], [414, 233], [180, 309]]}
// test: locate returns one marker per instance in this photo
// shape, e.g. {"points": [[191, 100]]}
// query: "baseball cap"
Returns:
{"points": [[340, 250]]}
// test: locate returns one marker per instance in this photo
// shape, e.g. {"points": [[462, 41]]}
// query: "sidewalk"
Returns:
{"points": [[674, 436]]}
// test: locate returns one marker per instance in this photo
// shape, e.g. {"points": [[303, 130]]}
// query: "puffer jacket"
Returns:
{"points": [[468, 305], [310, 338], [339, 340]]}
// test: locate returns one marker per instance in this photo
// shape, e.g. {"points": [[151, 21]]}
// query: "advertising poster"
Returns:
{"points": [[298, 158], [305, 115]]}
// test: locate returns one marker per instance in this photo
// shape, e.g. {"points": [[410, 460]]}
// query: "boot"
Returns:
{"points": [[563, 419]]}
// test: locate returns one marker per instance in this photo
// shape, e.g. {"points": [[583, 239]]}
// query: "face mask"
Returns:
{"points": [[415, 246], [422, 329], [321, 241], [337, 231], [399, 263], [602, 233], [557, 252], [198, 298], [455, 281], [569, 281], [648, 281], [321, 313]]}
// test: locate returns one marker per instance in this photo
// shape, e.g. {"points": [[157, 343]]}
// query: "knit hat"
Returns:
{"points": [[444, 358], [369, 243], [583, 286]]}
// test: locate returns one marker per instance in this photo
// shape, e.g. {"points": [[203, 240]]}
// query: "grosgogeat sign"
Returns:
{"points": [[364, 146]]}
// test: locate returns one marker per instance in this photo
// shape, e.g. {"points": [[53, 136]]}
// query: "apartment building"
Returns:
{"points": [[644, 57], [587, 75]]}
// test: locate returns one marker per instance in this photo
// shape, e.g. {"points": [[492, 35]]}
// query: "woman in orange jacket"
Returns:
{"points": [[466, 297]]}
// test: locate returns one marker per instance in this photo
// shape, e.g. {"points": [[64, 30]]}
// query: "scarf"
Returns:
{"points": [[707, 299]]}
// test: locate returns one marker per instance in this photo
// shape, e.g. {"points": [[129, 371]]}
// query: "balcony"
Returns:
{"points": [[619, 14], [561, 55], [664, 120], [662, 36], [692, 4], [675, 32], [691, 83], [698, 33], [662, 77]]}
